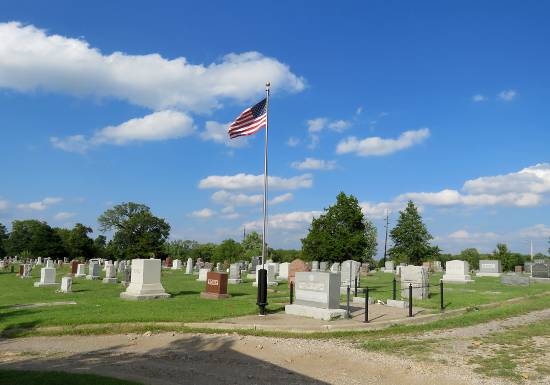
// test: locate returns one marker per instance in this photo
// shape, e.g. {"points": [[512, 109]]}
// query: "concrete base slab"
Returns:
{"points": [[251, 276], [80, 275], [455, 280], [214, 295], [361, 300], [40, 284], [90, 277], [234, 281], [268, 284], [142, 297], [316, 313], [110, 280], [397, 303]]}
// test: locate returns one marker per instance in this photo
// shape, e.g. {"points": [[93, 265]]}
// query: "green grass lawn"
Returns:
{"points": [[100, 303], [21, 377], [455, 296]]}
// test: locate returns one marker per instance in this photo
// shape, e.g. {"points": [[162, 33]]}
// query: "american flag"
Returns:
{"points": [[249, 121]]}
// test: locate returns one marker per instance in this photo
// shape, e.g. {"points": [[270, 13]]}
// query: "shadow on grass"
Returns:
{"points": [[192, 359], [184, 292]]}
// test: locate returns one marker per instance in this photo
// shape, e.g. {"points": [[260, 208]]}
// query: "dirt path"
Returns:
{"points": [[224, 359], [490, 327]]}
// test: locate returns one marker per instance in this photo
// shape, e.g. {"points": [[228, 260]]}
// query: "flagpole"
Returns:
{"points": [[264, 246], [262, 273]]}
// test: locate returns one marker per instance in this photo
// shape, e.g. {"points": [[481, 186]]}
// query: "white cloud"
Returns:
{"points": [[292, 142], [313, 142], [4, 204], [217, 132], [204, 213], [339, 125], [537, 231], [255, 182], [64, 215], [157, 126], [466, 236], [281, 198], [533, 179], [295, 221], [31, 59], [314, 164], [479, 98], [376, 146], [316, 125], [378, 210], [232, 200], [320, 124], [39, 205], [507, 95]]}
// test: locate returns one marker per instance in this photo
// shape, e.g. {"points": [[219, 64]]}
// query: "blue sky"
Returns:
{"points": [[442, 103]]}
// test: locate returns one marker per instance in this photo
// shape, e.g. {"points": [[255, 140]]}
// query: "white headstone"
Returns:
{"points": [[80, 270], [49, 263], [234, 273], [389, 267], [270, 268], [27, 270], [418, 277], [283, 271], [145, 281], [457, 271], [335, 267], [323, 266], [489, 268], [189, 268], [93, 270], [47, 277], [66, 284], [176, 264], [110, 274], [350, 271], [314, 266], [202, 275]]}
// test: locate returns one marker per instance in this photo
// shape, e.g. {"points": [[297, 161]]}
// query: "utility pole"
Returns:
{"points": [[386, 240], [244, 233], [531, 250]]}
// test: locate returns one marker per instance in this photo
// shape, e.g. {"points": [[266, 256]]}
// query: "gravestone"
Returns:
{"points": [[540, 270], [335, 267], [116, 263], [428, 265], [283, 271], [270, 268], [66, 284], [389, 267], [49, 263], [216, 286], [176, 264], [21, 268], [93, 271], [110, 274], [255, 261], [417, 276], [323, 266], [489, 268], [189, 267], [349, 271], [296, 266], [203, 274], [80, 270], [208, 265], [514, 280], [47, 277], [518, 269], [27, 270], [457, 271], [39, 261], [234, 273], [527, 267], [437, 266], [168, 262], [122, 266], [317, 295], [315, 266], [145, 281], [219, 267], [74, 267], [127, 275]]}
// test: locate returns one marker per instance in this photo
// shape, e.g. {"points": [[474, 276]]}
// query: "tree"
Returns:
{"points": [[507, 259], [229, 250], [340, 233], [411, 239], [36, 237], [180, 249], [3, 240], [370, 250], [100, 246], [252, 245], [138, 233], [471, 256]]}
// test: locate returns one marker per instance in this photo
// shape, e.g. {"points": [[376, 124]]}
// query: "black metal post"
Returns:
{"points": [[262, 290], [356, 286], [394, 289], [348, 289], [442, 306], [291, 292], [410, 300], [367, 304]]}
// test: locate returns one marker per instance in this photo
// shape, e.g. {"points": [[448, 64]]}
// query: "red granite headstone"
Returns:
{"points": [[216, 286], [21, 270], [519, 269], [168, 262], [74, 266], [296, 266]]}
